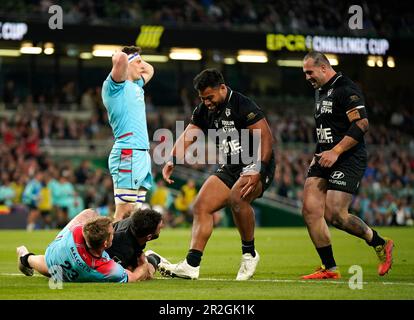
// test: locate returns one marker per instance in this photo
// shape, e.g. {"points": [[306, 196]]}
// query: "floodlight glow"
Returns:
{"points": [[252, 56], [185, 54]]}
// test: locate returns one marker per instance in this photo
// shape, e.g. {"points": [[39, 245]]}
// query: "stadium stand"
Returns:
{"points": [[285, 16]]}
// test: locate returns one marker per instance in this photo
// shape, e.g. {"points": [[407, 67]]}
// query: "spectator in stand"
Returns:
{"points": [[31, 198], [7, 193], [182, 211], [83, 173], [62, 198], [75, 206], [45, 204], [18, 184], [160, 200], [190, 192]]}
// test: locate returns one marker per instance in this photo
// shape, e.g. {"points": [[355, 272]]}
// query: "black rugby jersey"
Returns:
{"points": [[226, 124], [335, 102], [125, 248]]}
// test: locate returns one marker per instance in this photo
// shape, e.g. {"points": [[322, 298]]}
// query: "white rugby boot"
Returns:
{"points": [[248, 266], [180, 270], [162, 259]]}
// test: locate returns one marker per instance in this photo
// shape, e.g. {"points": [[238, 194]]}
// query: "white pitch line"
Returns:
{"points": [[302, 281], [19, 275], [387, 283]]}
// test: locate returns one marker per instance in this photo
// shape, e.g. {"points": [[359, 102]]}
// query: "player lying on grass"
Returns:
{"points": [[78, 253], [131, 236]]}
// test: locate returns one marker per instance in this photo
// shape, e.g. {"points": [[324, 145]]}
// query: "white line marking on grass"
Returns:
{"points": [[302, 281], [19, 275], [387, 283]]}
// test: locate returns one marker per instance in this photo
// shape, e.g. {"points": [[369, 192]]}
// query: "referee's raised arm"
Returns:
{"points": [[119, 70]]}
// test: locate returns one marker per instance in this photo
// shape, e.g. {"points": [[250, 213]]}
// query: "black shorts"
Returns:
{"points": [[345, 175], [230, 173]]}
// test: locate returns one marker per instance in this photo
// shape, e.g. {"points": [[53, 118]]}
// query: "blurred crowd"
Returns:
{"points": [[52, 191], [386, 195], [55, 190], [391, 116], [380, 17]]}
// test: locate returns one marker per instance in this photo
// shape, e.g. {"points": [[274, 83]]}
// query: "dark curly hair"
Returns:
{"points": [[144, 222], [131, 49], [208, 78]]}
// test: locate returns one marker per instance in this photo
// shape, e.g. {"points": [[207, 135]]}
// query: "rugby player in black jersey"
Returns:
{"points": [[239, 181], [131, 235], [338, 165]]}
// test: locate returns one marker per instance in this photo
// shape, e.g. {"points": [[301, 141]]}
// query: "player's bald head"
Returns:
{"points": [[318, 59], [317, 69]]}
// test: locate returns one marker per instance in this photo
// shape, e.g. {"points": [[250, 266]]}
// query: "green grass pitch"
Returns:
{"points": [[286, 253]]}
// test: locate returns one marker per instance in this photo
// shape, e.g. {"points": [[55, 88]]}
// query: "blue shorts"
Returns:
{"points": [[130, 169]]}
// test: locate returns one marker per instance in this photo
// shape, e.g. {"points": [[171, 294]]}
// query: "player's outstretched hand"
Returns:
{"points": [[167, 172]]}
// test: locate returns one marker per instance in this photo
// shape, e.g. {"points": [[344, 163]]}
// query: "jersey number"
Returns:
{"points": [[71, 274]]}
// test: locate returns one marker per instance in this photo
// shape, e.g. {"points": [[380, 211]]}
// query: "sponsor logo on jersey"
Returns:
{"points": [[227, 112], [251, 116], [230, 148], [354, 98], [326, 107], [324, 135], [228, 125]]}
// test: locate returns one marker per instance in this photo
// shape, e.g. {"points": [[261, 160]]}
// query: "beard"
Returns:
{"points": [[154, 236]]}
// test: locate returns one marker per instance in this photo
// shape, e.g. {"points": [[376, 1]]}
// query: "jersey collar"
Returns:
{"points": [[226, 101], [331, 81]]}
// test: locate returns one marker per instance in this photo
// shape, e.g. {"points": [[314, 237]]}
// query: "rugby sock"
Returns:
{"points": [[376, 240], [248, 247], [194, 257], [154, 260], [24, 260], [326, 255]]}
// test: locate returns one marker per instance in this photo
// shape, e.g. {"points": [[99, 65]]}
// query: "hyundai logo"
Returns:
{"points": [[337, 175]]}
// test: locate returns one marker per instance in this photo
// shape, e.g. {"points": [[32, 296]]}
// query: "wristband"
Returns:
{"points": [[263, 168], [355, 132]]}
